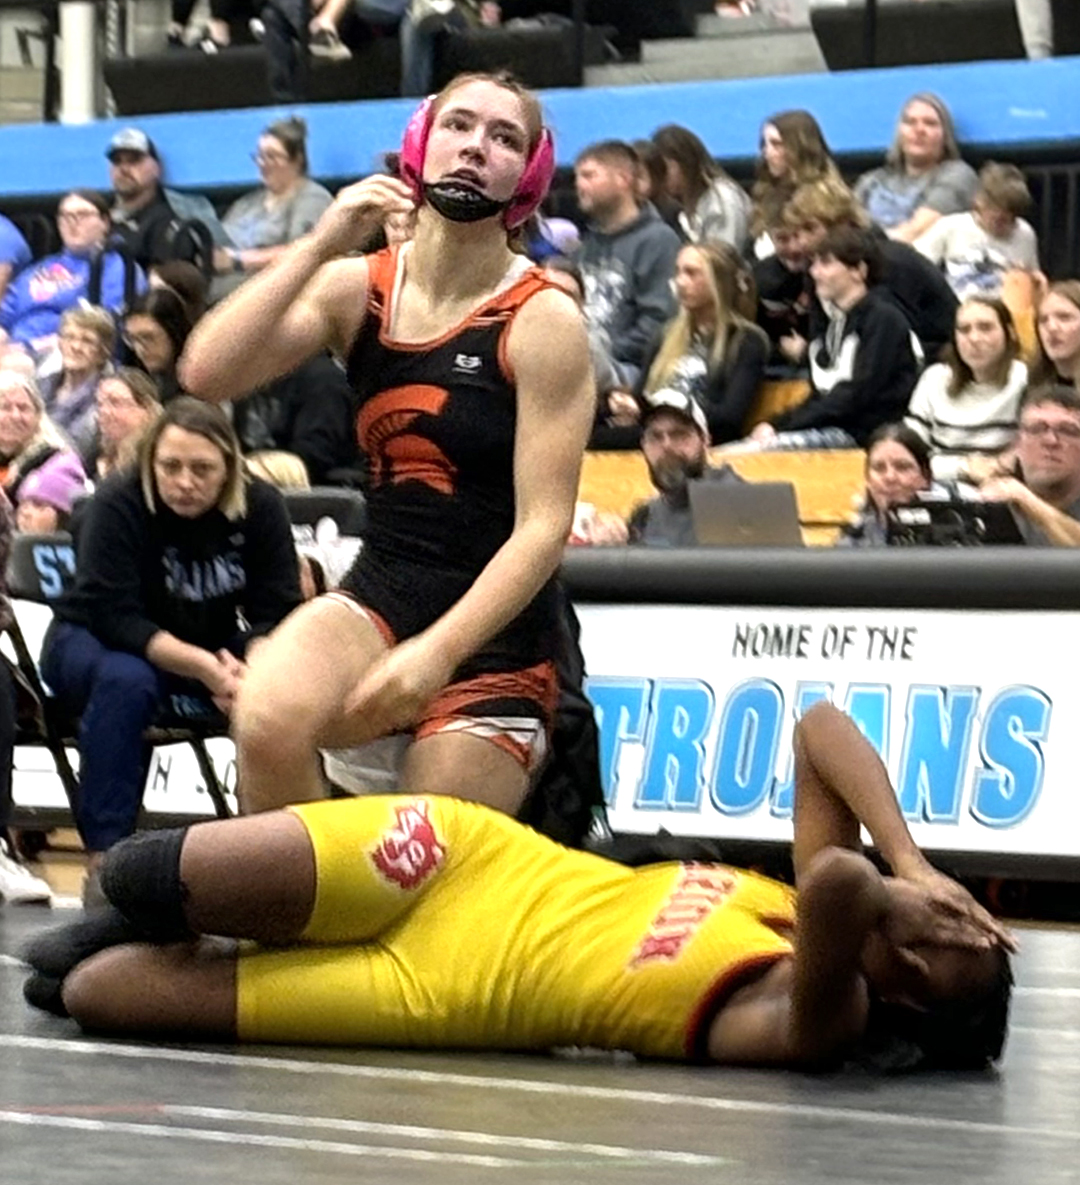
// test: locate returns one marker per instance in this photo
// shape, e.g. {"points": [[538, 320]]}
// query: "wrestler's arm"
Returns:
{"points": [[549, 355], [806, 1013], [840, 783], [308, 300]]}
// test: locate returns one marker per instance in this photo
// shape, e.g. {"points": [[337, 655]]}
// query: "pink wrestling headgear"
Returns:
{"points": [[531, 189]]}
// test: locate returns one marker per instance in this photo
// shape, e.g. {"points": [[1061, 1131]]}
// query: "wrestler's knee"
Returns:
{"points": [[95, 991]]}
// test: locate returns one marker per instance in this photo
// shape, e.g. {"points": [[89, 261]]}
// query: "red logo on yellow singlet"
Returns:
{"points": [[410, 851]]}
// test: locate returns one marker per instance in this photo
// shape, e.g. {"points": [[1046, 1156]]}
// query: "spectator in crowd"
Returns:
{"points": [[85, 348], [1058, 326], [1044, 487], [793, 153], [148, 219], [897, 468], [288, 205], [28, 438], [47, 495], [627, 258], [1036, 27], [184, 279], [863, 367], [617, 413], [675, 443], [652, 183], [156, 329], [966, 407], [713, 208], [284, 471], [40, 295], [785, 296], [308, 412], [14, 253], [17, 883], [127, 404], [908, 279], [180, 564], [712, 350], [923, 176], [977, 248]]}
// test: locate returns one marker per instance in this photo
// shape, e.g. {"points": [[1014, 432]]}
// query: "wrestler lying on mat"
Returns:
{"points": [[433, 923]]}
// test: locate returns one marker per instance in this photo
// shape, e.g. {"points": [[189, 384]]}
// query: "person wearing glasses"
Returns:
{"points": [[39, 296], [1040, 478], [69, 379], [287, 205], [181, 561], [156, 330]]}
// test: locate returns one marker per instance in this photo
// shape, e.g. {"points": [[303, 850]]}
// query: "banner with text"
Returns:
{"points": [[976, 715]]}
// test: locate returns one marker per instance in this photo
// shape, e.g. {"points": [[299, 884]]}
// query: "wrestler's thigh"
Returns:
{"points": [[299, 678], [181, 990], [468, 767], [251, 877]]}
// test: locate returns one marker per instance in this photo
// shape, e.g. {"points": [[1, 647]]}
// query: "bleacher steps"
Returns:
{"points": [[756, 53]]}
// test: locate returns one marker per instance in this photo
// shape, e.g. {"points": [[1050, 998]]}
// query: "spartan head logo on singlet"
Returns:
{"points": [[410, 851], [396, 453]]}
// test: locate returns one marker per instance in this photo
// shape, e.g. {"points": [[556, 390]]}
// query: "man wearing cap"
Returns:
{"points": [[148, 218], [675, 441]]}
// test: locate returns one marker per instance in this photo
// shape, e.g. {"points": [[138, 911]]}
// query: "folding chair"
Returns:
{"points": [[41, 567], [346, 507]]}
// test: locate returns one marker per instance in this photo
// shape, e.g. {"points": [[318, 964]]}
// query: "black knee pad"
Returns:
{"points": [[141, 877]]}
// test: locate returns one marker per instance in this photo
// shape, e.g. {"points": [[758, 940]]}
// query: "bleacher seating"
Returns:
{"points": [[827, 483]]}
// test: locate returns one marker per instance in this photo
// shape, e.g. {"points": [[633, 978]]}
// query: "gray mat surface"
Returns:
{"points": [[76, 1110]]}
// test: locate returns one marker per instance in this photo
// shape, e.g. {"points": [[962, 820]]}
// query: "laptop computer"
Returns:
{"points": [[745, 514]]}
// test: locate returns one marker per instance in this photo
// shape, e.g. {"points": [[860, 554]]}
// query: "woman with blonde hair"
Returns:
{"points": [[923, 176], [182, 561], [1057, 322], [127, 404], [28, 438], [793, 153], [711, 350]]}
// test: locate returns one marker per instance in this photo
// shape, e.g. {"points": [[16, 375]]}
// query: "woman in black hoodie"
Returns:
{"points": [[181, 562]]}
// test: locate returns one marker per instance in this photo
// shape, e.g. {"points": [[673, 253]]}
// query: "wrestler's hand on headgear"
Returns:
{"points": [[951, 900], [358, 212], [398, 687]]}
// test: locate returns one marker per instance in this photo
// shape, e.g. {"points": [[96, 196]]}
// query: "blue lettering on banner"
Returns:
{"points": [[679, 717], [747, 747], [932, 762], [55, 566], [620, 708], [1009, 784], [687, 740]]}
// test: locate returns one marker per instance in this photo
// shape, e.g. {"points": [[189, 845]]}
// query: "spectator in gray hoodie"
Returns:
{"points": [[627, 258]]}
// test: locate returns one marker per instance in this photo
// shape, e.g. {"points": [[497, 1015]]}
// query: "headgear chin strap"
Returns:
{"points": [[531, 189]]}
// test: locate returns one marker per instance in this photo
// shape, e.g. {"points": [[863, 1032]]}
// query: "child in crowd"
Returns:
{"points": [[977, 248], [45, 498]]}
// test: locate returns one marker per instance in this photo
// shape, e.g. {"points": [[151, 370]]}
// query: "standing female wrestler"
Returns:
{"points": [[475, 399]]}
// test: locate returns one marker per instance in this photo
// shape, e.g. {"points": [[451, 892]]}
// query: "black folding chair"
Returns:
{"points": [[41, 567], [346, 507]]}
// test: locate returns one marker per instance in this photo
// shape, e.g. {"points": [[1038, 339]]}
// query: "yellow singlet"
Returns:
{"points": [[441, 923]]}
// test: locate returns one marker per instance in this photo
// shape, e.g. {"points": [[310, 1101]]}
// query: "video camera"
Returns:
{"points": [[945, 520]]}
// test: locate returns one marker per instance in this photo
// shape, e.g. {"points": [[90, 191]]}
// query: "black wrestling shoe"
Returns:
{"points": [[60, 950], [44, 992]]}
